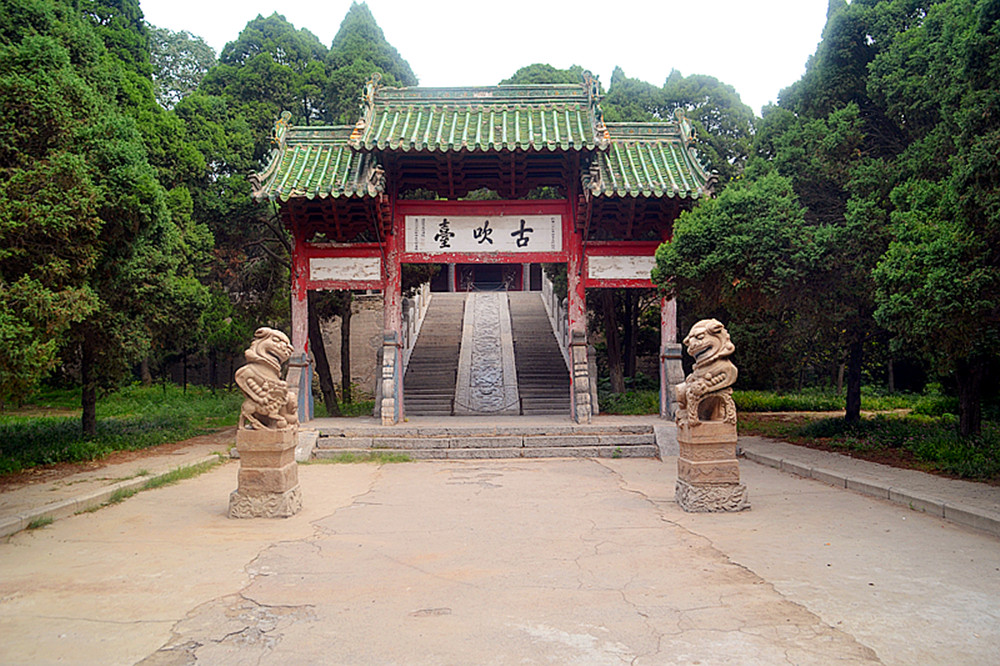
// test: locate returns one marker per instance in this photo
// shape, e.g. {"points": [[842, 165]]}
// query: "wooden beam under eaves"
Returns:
{"points": [[513, 173], [451, 178], [631, 219]]}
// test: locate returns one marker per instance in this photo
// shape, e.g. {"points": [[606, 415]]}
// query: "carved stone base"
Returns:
{"points": [[268, 477], [265, 505], [712, 498]]}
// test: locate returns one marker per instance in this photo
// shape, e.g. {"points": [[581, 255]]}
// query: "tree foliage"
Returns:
{"points": [[180, 61], [543, 73], [92, 263], [723, 123], [360, 49]]}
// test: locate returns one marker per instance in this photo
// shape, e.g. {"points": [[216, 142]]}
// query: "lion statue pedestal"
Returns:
{"points": [[708, 474], [267, 433]]}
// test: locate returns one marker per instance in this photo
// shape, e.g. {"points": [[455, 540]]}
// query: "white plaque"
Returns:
{"points": [[503, 233], [345, 268], [620, 268]]}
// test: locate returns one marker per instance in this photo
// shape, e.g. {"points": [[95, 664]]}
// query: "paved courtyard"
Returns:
{"points": [[501, 562]]}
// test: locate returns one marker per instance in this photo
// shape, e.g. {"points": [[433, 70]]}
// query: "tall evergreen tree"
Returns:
{"points": [[359, 50], [92, 262]]}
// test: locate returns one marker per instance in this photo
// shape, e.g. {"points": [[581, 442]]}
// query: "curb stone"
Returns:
{"points": [[95, 498], [953, 511]]}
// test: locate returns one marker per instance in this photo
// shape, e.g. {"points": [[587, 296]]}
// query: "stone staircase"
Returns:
{"points": [[542, 377], [429, 384], [461, 439]]}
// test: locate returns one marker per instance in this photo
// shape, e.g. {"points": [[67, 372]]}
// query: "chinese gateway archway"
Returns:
{"points": [[349, 197]]}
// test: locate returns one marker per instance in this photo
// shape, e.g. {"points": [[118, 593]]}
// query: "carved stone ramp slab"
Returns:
{"points": [[486, 381]]}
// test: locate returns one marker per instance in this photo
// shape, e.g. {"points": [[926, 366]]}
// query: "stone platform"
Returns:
{"points": [[497, 437]]}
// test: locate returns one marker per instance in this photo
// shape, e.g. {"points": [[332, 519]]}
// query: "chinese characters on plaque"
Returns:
{"points": [[505, 233]]}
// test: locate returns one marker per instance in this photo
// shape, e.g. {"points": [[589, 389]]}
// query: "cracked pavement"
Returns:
{"points": [[497, 562]]}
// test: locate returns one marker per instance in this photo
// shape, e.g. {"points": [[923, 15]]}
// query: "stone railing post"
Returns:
{"points": [[595, 407], [671, 374], [580, 396], [392, 379]]}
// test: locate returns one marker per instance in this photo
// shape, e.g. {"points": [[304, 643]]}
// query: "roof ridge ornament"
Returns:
{"points": [[367, 105], [689, 140], [281, 125], [592, 86]]}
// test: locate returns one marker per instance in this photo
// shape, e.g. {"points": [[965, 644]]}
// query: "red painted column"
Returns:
{"points": [[580, 397], [392, 359], [577, 295], [299, 373], [668, 320], [300, 302], [393, 303]]}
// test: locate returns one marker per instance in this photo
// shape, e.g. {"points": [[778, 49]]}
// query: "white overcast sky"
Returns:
{"points": [[757, 46]]}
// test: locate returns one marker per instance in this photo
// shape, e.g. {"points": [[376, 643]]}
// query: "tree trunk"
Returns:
{"points": [[612, 339], [144, 373], [345, 353], [855, 358], [184, 371], [213, 369], [322, 364], [631, 297], [840, 378], [969, 374], [892, 376], [89, 398]]}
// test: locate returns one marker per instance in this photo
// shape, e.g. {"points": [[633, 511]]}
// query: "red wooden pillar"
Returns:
{"points": [[577, 316], [299, 369], [391, 407]]}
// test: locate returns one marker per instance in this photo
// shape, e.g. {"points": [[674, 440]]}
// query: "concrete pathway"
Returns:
{"points": [[498, 562], [965, 502]]}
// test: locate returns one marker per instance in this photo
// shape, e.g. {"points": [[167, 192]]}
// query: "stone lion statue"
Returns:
{"points": [[706, 394], [269, 404]]}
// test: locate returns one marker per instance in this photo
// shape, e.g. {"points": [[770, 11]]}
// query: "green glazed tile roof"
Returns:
{"points": [[315, 162], [650, 160], [526, 117]]}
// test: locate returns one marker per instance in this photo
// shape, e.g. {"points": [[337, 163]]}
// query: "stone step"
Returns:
{"points": [[435, 439], [645, 451]]}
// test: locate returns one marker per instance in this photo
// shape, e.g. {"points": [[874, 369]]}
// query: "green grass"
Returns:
{"points": [[38, 523], [181, 473], [630, 402], [136, 417], [828, 400], [933, 441], [647, 401], [121, 495], [348, 457], [350, 409]]}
